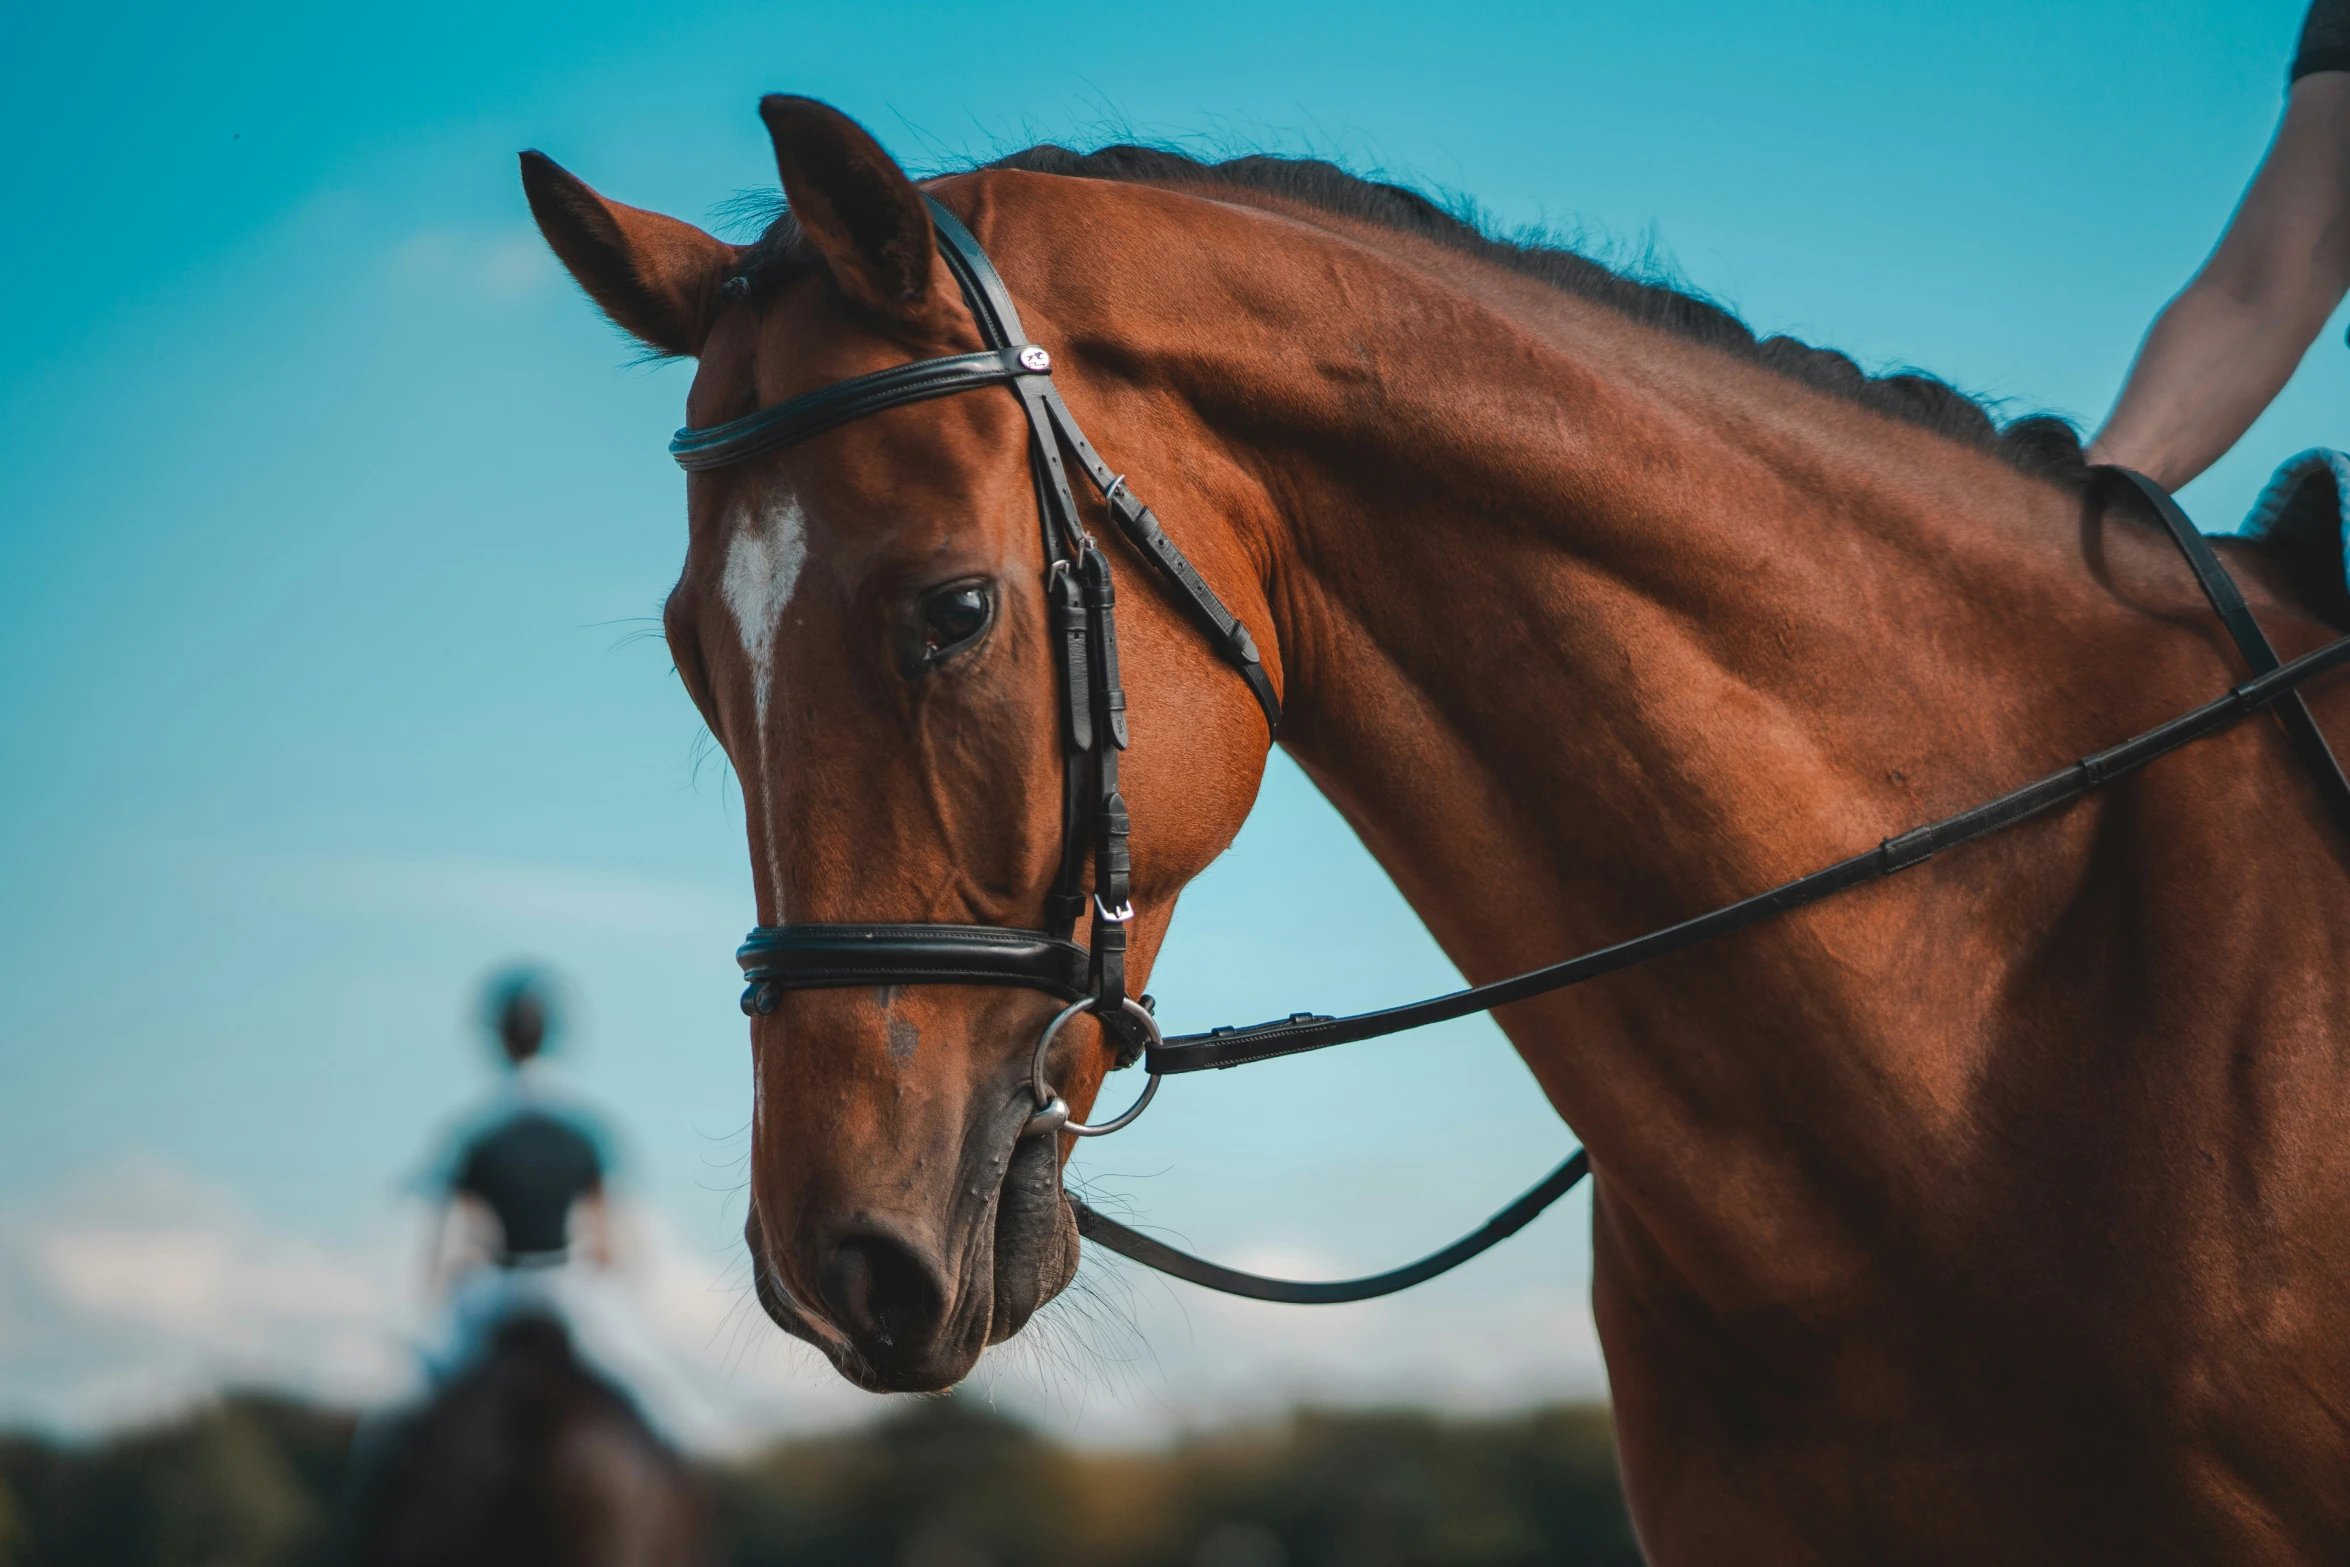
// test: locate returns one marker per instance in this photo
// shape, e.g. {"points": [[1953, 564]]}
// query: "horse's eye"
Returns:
{"points": [[953, 617]]}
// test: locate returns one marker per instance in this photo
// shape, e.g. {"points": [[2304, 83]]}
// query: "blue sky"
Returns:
{"points": [[331, 519]]}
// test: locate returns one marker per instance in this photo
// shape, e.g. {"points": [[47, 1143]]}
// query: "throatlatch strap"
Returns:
{"points": [[999, 324], [1140, 524], [2228, 603]]}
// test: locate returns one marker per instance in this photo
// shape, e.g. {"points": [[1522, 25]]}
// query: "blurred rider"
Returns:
{"points": [[523, 1193], [2234, 335]]}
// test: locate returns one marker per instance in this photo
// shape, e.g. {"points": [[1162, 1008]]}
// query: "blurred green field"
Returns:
{"points": [[253, 1482]]}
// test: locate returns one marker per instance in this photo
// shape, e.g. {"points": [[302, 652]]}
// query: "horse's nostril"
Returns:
{"points": [[880, 1293]]}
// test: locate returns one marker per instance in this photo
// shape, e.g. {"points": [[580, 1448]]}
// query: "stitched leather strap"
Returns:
{"points": [[1140, 524], [1113, 865], [777, 958], [983, 287], [1303, 1031], [1141, 1248], [828, 407], [2228, 603], [1000, 325]]}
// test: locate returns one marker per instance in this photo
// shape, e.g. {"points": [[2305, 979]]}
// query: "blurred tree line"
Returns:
{"points": [[254, 1481], [250, 1482]]}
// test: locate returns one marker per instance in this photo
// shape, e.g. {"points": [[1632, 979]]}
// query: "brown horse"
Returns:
{"points": [[1999, 1213], [527, 1460]]}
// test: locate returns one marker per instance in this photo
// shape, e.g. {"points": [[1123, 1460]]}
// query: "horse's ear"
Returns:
{"points": [[858, 209], [658, 279]]}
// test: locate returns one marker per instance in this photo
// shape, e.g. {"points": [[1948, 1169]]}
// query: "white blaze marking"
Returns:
{"points": [[762, 567]]}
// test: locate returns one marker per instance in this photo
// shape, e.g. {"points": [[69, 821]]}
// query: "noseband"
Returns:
{"points": [[1092, 978]]}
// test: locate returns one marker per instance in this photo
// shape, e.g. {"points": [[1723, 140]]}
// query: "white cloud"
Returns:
{"points": [[496, 895], [167, 1278], [137, 1287], [496, 264], [516, 263]]}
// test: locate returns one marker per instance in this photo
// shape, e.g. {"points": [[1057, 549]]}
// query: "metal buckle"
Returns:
{"points": [[1052, 1112], [1117, 916]]}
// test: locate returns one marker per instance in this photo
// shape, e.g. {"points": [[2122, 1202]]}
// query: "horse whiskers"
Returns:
{"points": [[741, 1326], [1066, 1352], [1090, 1327]]}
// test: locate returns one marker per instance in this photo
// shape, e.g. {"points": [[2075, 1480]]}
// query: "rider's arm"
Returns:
{"points": [[436, 1248], [2232, 338], [458, 1236], [597, 1230]]}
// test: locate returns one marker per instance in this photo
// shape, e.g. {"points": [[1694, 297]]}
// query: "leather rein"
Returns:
{"points": [[1081, 606]]}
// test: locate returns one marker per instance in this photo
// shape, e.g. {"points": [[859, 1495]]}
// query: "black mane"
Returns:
{"points": [[2042, 445]]}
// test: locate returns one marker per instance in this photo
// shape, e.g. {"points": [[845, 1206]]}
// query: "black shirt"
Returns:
{"points": [[2325, 39], [530, 1168]]}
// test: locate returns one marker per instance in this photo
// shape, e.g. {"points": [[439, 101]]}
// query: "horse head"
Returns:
{"points": [[861, 620]]}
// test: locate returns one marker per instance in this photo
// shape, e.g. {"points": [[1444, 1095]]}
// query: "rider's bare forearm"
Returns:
{"points": [[436, 1241], [2207, 369], [599, 1236], [2229, 342]]}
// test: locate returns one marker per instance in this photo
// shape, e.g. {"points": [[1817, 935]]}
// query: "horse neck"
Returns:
{"points": [[1608, 603], [1587, 627]]}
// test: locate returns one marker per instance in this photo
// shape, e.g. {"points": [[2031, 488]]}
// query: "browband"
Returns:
{"points": [[829, 407]]}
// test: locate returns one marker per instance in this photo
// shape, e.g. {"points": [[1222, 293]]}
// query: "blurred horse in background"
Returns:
{"points": [[527, 1460]]}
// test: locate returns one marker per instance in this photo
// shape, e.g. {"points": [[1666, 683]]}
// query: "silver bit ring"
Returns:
{"points": [[1052, 1113]]}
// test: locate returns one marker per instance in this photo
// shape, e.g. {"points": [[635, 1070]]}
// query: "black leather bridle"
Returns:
{"points": [[1092, 978], [1082, 606]]}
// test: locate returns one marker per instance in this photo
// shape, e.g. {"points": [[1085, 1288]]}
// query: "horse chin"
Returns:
{"points": [[1035, 1237]]}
